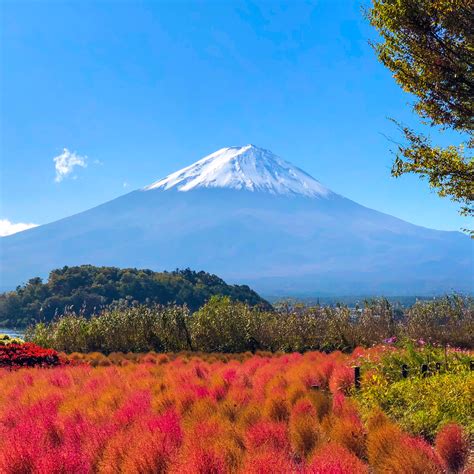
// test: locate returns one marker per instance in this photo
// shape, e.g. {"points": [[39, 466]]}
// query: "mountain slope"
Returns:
{"points": [[261, 229], [244, 168]]}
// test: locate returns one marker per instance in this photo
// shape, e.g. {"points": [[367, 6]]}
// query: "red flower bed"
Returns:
{"points": [[189, 413], [14, 356]]}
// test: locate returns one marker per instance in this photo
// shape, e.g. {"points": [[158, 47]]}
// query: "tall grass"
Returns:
{"points": [[225, 326]]}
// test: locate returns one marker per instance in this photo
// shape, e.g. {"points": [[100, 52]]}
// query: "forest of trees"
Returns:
{"points": [[87, 289]]}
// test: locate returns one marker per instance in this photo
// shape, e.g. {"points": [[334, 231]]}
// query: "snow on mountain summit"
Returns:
{"points": [[248, 168]]}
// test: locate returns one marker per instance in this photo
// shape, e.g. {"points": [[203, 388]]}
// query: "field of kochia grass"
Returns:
{"points": [[212, 414]]}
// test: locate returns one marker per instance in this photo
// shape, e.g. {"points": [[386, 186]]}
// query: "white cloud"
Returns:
{"points": [[125, 184], [7, 227], [65, 163]]}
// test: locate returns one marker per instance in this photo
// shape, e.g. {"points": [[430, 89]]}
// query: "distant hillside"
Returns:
{"points": [[88, 288]]}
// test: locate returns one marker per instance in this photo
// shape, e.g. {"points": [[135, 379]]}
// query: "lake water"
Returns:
{"points": [[12, 332]]}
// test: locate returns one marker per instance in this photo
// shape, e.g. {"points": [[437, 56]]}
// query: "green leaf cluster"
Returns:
{"points": [[429, 47], [423, 405]]}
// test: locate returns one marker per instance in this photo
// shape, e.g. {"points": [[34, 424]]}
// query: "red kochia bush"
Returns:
{"points": [[453, 446], [341, 379], [268, 435], [335, 459], [14, 356], [269, 462]]}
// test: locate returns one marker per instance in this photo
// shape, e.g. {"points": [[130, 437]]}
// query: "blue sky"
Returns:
{"points": [[140, 89]]}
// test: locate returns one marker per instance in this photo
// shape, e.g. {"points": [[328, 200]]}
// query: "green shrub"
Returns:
{"points": [[413, 355], [422, 405]]}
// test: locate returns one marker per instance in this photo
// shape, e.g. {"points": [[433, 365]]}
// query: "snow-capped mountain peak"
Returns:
{"points": [[245, 168]]}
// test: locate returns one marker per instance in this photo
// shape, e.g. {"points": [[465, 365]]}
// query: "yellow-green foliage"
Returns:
{"points": [[6, 339], [422, 405], [419, 404]]}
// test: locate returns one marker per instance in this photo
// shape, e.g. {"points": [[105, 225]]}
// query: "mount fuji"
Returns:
{"points": [[250, 217], [243, 168]]}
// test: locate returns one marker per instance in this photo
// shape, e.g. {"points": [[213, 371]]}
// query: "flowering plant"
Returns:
{"points": [[28, 355]]}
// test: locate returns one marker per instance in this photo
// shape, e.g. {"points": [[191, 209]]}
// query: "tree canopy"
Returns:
{"points": [[87, 289], [429, 47]]}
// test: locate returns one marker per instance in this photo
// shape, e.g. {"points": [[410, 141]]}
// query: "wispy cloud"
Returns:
{"points": [[7, 227], [66, 162]]}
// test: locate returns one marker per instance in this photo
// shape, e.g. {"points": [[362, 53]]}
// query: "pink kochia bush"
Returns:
{"points": [[205, 414]]}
